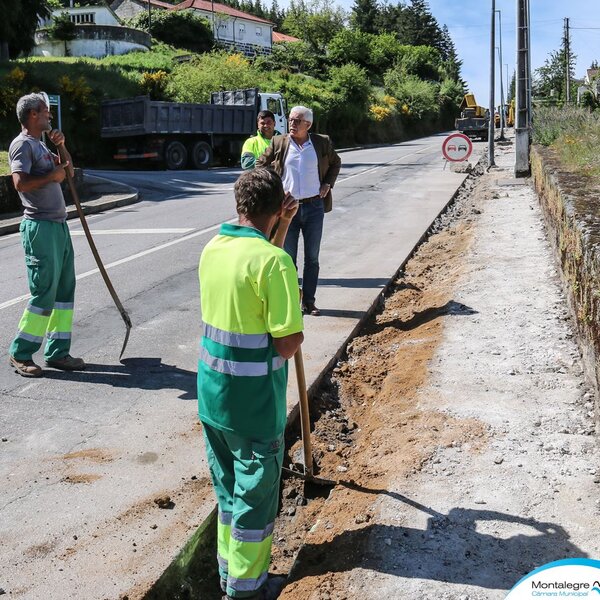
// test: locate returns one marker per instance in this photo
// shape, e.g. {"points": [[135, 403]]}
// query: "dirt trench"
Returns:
{"points": [[367, 426]]}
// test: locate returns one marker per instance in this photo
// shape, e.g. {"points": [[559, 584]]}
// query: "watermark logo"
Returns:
{"points": [[569, 578]]}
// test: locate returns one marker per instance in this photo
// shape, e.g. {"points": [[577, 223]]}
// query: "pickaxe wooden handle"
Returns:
{"points": [[94, 249]]}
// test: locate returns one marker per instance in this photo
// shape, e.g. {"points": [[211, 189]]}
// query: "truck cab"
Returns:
{"points": [[278, 106]]}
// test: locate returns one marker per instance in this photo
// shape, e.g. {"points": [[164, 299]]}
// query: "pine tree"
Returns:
{"points": [[452, 64], [419, 27], [391, 19], [364, 15]]}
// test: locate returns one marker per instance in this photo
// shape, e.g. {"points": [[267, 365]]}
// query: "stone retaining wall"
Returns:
{"points": [[571, 208], [9, 199]]}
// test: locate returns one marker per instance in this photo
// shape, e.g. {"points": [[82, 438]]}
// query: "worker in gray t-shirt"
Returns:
{"points": [[37, 175]]}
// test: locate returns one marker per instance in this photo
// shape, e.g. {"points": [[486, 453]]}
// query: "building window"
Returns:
{"points": [[83, 18], [259, 31]]}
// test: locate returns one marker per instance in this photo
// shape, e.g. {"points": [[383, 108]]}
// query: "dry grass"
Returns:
{"points": [[575, 135]]}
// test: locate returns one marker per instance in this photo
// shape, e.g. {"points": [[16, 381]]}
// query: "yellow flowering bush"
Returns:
{"points": [[378, 112]]}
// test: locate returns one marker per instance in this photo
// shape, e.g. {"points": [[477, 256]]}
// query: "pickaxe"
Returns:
{"points": [[93, 248]]}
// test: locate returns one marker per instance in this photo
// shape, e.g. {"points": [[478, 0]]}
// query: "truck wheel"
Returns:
{"points": [[202, 155], [175, 155]]}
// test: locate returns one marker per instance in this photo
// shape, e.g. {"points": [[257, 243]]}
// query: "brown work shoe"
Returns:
{"points": [[67, 363], [27, 368]]}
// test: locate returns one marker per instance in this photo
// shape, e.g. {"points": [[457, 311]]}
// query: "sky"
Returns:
{"points": [[469, 24]]}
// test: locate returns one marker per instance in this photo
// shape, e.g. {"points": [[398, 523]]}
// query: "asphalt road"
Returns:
{"points": [[83, 449]]}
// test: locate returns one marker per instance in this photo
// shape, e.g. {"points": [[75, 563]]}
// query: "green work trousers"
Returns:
{"points": [[246, 475], [51, 277]]}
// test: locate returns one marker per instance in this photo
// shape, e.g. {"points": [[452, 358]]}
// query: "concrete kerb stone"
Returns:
{"points": [[180, 573], [98, 194]]}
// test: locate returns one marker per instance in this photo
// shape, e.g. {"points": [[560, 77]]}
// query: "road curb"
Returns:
{"points": [[112, 195]]}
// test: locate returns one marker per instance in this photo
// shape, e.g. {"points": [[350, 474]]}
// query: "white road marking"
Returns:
{"points": [[133, 231], [127, 259]]}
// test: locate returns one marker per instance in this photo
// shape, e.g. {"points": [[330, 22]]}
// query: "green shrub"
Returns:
{"points": [[62, 28], [385, 50], [195, 80], [293, 56], [350, 45], [418, 98], [423, 62]]}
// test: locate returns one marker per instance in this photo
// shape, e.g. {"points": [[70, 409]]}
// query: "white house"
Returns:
{"points": [[98, 32], [591, 83], [234, 28]]}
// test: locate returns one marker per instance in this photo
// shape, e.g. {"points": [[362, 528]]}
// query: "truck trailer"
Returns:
{"points": [[183, 134]]}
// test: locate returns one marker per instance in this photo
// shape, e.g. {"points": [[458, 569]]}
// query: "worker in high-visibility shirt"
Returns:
{"points": [[252, 325], [254, 146]]}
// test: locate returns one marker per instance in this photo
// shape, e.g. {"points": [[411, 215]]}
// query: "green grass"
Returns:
{"points": [[4, 170], [575, 135]]}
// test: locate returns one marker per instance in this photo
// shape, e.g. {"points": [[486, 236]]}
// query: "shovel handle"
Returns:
{"points": [[304, 412]]}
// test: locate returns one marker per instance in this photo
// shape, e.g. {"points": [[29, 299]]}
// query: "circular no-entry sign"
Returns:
{"points": [[457, 147]]}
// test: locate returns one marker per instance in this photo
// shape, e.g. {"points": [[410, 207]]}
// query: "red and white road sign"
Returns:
{"points": [[457, 147]]}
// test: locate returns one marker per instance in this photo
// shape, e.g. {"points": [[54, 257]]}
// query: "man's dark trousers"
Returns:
{"points": [[309, 221]]}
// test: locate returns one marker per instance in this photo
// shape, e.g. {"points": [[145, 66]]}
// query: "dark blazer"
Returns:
{"points": [[329, 161]]}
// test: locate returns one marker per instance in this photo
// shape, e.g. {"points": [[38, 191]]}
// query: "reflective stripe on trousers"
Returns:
{"points": [[238, 368]]}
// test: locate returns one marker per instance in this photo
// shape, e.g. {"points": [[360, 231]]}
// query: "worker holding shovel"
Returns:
{"points": [[252, 325], [37, 174]]}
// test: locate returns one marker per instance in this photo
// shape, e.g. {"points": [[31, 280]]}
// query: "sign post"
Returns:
{"points": [[54, 100]]}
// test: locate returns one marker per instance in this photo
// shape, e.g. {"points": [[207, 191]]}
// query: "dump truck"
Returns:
{"points": [[474, 120], [187, 135]]}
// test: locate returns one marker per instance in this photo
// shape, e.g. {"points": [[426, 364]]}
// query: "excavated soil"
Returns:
{"points": [[368, 426]]}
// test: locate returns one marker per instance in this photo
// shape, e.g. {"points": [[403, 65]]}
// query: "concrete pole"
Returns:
{"points": [[502, 124], [529, 77], [521, 108], [491, 132], [567, 56], [502, 115]]}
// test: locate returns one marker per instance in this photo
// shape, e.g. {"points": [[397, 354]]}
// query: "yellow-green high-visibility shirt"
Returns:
{"points": [[253, 148], [249, 294]]}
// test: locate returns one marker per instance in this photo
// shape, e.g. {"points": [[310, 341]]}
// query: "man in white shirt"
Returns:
{"points": [[308, 166]]}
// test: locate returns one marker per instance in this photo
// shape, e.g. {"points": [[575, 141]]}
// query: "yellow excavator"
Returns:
{"points": [[510, 121], [474, 120]]}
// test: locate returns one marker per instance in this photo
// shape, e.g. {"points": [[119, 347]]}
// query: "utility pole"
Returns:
{"points": [[521, 94], [149, 18], [500, 70], [568, 59], [491, 132], [528, 66], [501, 138]]}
